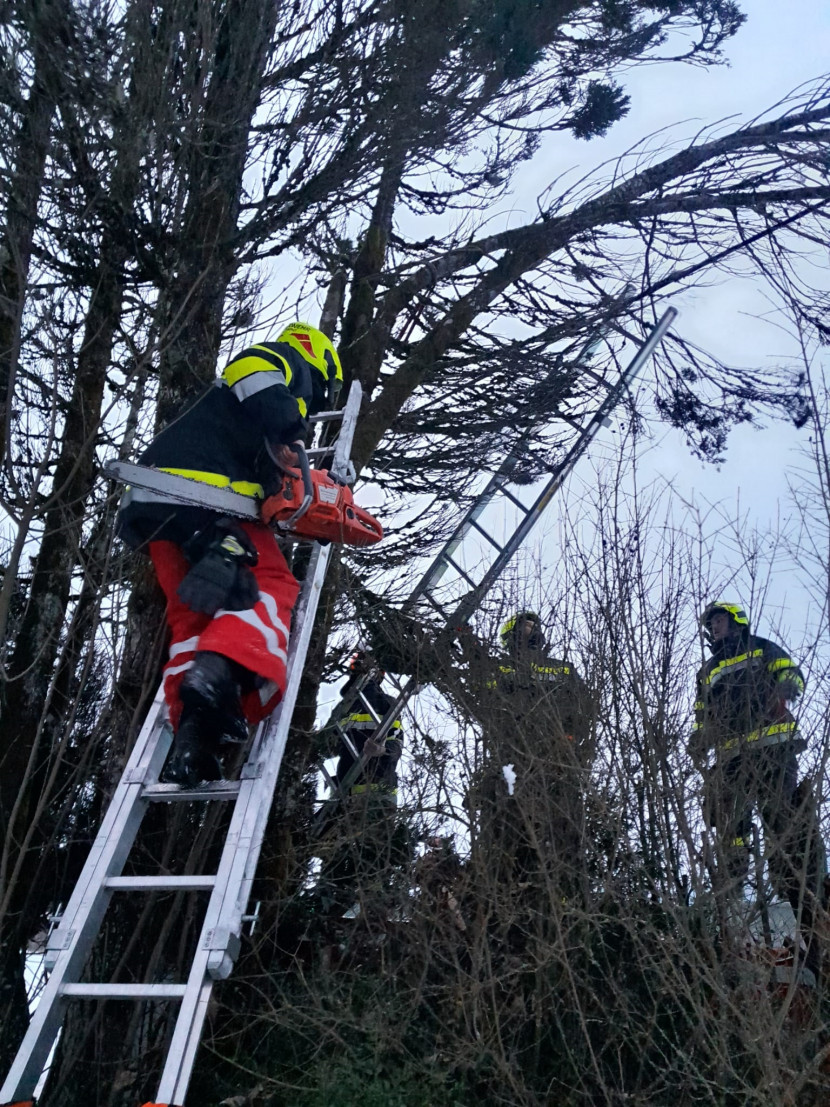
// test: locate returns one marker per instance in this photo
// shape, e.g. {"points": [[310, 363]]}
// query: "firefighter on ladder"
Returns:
{"points": [[366, 839], [229, 591], [742, 712]]}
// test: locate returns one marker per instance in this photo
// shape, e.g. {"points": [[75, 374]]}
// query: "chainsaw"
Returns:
{"points": [[309, 505]]}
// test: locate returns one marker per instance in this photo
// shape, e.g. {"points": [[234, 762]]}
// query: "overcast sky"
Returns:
{"points": [[779, 48], [774, 52]]}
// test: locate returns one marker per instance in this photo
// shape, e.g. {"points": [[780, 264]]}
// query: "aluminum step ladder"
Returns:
{"points": [[456, 602], [219, 942]]}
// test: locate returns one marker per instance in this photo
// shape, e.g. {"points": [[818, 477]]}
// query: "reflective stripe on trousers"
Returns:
{"points": [[257, 638]]}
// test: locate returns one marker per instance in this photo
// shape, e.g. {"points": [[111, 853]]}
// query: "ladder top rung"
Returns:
{"points": [[125, 991], [175, 793], [163, 883], [325, 416]]}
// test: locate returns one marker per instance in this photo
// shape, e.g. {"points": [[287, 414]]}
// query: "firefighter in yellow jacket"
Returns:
{"points": [[229, 591]]}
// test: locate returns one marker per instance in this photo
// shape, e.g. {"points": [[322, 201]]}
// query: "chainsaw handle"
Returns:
{"points": [[308, 487], [305, 469]]}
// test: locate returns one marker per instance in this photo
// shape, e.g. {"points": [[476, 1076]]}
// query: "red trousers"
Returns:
{"points": [[256, 638]]}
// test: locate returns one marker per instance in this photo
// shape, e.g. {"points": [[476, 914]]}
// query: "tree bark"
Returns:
{"points": [[48, 23]]}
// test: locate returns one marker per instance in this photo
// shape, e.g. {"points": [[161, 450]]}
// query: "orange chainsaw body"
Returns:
{"points": [[332, 515]]}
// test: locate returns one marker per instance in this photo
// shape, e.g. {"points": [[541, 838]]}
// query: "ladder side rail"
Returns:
{"points": [[244, 841], [220, 937], [221, 929], [614, 394], [440, 563], [494, 486], [341, 464], [71, 942], [470, 602]]}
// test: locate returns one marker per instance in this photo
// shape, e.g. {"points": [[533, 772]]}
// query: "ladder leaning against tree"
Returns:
{"points": [[69, 945]]}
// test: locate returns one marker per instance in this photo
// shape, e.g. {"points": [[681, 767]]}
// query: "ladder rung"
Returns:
{"points": [[325, 416], [364, 700], [428, 596], [320, 451], [515, 500], [482, 531], [332, 783], [175, 793], [461, 572], [125, 991], [162, 883], [346, 740]]}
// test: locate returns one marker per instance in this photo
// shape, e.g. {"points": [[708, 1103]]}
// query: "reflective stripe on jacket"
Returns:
{"points": [[380, 773], [261, 398], [742, 691]]}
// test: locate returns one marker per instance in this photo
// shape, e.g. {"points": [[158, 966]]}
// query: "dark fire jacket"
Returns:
{"points": [[262, 398], [742, 692], [380, 774]]}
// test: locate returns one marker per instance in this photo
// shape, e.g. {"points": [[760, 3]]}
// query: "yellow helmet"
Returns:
{"points": [[315, 348], [736, 614], [508, 630]]}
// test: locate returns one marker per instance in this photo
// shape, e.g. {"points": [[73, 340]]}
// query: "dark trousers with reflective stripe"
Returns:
{"points": [[766, 780]]}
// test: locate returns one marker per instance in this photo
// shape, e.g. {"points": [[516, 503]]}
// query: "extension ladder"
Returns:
{"points": [[457, 602], [69, 945]]}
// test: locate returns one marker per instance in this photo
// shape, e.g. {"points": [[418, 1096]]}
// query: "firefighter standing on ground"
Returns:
{"points": [[229, 591], [742, 712], [366, 822], [535, 710]]}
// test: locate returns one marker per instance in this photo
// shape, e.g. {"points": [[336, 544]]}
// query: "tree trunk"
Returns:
{"points": [[48, 24], [190, 314]]}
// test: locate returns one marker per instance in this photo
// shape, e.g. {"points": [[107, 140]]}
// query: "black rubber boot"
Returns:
{"points": [[212, 687], [210, 710], [193, 758]]}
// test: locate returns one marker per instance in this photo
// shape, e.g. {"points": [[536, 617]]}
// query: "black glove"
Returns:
{"points": [[221, 576]]}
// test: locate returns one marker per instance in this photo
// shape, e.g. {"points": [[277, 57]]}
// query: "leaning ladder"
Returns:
{"points": [[453, 609], [219, 942]]}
